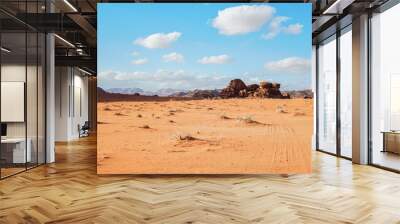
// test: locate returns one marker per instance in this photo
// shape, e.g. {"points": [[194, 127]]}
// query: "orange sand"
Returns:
{"points": [[231, 136]]}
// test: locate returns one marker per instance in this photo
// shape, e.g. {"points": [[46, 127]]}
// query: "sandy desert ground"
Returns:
{"points": [[223, 136]]}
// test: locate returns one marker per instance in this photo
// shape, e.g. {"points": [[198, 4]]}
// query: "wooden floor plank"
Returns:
{"points": [[70, 191]]}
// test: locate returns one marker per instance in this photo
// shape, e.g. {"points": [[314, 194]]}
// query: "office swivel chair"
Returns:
{"points": [[84, 130]]}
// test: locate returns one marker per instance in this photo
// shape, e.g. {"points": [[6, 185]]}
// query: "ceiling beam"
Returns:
{"points": [[84, 24], [77, 61]]}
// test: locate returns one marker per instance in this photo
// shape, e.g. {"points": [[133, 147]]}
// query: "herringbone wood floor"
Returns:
{"points": [[69, 191]]}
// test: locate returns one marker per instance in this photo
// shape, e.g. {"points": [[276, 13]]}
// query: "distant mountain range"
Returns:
{"points": [[194, 93], [125, 90], [160, 92], [235, 89]]}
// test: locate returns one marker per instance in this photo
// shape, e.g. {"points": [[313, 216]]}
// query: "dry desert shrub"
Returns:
{"points": [[281, 109], [107, 109], [175, 111], [247, 119], [145, 126], [224, 117], [186, 137], [139, 115], [299, 114], [119, 114]]}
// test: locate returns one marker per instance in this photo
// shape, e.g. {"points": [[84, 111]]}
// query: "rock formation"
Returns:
{"points": [[197, 93], [237, 88], [300, 94], [252, 87], [233, 89]]}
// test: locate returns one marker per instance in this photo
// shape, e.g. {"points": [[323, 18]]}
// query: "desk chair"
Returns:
{"points": [[84, 130]]}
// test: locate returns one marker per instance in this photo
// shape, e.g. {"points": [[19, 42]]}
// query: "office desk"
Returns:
{"points": [[13, 150], [391, 141]]}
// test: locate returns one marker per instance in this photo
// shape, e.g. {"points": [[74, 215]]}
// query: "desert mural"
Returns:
{"points": [[204, 89]]}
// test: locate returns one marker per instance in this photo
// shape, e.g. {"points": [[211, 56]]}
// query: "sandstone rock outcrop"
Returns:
{"points": [[237, 88], [300, 94], [233, 89], [252, 87]]}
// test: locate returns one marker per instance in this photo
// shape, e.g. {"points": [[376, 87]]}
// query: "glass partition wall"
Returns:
{"points": [[334, 94], [385, 89], [345, 108], [327, 95], [22, 98]]}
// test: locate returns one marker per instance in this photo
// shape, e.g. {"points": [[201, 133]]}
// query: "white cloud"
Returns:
{"points": [[135, 53], [160, 79], [242, 19], [294, 29], [129, 76], [276, 27], [158, 40], [120, 76], [185, 80], [289, 65], [140, 61], [218, 59], [173, 57]]}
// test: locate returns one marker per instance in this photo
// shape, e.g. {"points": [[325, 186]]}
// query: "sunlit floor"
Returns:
{"points": [[70, 191], [386, 159], [9, 171], [5, 172]]}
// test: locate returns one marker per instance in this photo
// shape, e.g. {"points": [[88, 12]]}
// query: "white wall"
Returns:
{"points": [[62, 81], [80, 109], [71, 87]]}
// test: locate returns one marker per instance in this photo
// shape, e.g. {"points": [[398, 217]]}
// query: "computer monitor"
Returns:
{"points": [[3, 129]]}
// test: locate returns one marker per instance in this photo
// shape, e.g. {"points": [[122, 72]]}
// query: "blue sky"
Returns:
{"points": [[203, 46]]}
